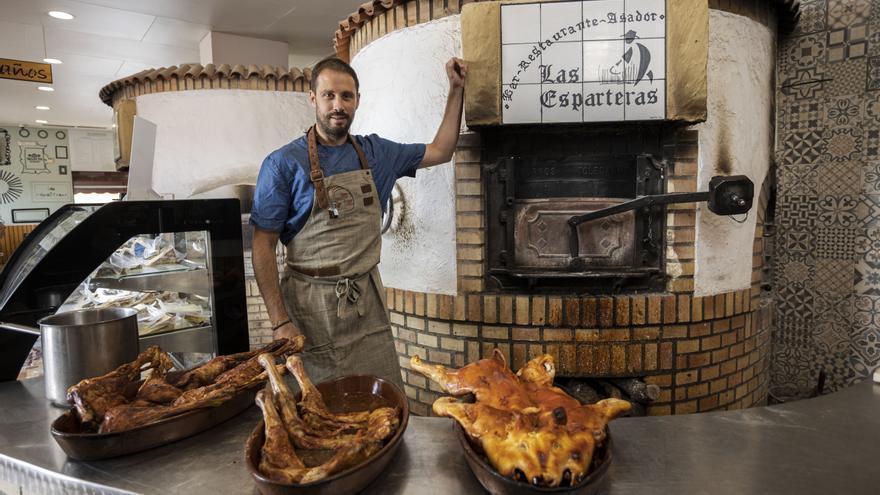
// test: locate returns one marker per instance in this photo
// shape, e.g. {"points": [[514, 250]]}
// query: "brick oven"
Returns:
{"points": [[636, 304], [703, 352]]}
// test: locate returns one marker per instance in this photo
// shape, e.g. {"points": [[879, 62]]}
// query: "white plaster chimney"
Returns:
{"points": [[223, 48]]}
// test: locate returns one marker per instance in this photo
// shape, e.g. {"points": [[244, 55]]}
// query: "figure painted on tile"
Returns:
{"points": [[322, 196]]}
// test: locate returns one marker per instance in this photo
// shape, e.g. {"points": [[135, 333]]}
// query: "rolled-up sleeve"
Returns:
{"points": [[271, 208]]}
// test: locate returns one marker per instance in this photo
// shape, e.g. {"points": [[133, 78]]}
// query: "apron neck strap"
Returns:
{"points": [[316, 173]]}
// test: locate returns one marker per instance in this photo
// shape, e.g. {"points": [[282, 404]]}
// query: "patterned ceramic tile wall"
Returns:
{"points": [[827, 267]]}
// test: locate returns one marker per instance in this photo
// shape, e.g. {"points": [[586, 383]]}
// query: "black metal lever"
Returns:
{"points": [[726, 196]]}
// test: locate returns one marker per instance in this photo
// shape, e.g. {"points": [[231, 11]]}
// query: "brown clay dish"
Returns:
{"points": [[89, 446], [496, 484], [344, 394]]}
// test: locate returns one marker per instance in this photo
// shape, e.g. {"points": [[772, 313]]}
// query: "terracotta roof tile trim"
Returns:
{"points": [[209, 71], [364, 14]]}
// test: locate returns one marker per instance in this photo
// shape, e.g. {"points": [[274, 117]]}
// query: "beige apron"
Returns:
{"points": [[331, 285]]}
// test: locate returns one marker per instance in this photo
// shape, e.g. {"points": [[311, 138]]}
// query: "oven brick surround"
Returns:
{"points": [[704, 352]]}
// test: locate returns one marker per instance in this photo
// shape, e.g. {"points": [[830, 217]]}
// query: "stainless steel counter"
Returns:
{"points": [[830, 444]]}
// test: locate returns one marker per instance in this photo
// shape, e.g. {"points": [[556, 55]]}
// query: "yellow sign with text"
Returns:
{"points": [[22, 70]]}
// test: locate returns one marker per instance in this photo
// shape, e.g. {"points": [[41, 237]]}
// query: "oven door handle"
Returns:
{"points": [[726, 196]]}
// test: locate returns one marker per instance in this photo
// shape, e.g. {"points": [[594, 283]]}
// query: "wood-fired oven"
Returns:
{"points": [[538, 179]]}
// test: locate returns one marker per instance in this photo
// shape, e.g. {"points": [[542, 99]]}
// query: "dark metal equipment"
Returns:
{"points": [[569, 208], [537, 180], [726, 196]]}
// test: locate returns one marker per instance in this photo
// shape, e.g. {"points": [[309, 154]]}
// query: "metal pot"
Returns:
{"points": [[83, 344]]}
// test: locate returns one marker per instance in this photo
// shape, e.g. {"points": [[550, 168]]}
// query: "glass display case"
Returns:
{"points": [[178, 263]]}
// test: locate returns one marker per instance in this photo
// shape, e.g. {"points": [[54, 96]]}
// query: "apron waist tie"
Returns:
{"points": [[348, 289]]}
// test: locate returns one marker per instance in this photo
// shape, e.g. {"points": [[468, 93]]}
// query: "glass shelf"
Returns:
{"points": [[178, 262], [186, 279], [155, 275]]}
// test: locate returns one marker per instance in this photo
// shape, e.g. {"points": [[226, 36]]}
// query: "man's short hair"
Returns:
{"points": [[333, 63]]}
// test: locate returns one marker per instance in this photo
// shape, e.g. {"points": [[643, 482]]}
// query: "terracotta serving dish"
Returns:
{"points": [[344, 394], [496, 484], [86, 446]]}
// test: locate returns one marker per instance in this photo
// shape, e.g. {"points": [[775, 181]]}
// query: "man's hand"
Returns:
{"points": [[286, 331], [266, 273], [456, 71]]}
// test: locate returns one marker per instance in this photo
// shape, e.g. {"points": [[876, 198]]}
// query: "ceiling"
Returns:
{"points": [[111, 39]]}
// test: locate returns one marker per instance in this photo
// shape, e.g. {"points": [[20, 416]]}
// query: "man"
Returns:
{"points": [[322, 195]]}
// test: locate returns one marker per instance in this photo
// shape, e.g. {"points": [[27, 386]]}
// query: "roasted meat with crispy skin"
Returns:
{"points": [[92, 397], [127, 416], [353, 436], [101, 403], [242, 376], [530, 430], [156, 390], [279, 461], [490, 380], [312, 404], [304, 436], [207, 373]]}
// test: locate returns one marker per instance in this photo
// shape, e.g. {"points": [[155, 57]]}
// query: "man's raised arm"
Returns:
{"points": [[440, 150]]}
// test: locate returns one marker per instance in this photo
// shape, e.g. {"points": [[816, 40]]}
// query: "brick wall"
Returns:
{"points": [[705, 352], [259, 326]]}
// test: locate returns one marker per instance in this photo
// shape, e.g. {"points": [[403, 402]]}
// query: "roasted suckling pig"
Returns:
{"points": [[309, 424], [529, 430], [101, 403]]}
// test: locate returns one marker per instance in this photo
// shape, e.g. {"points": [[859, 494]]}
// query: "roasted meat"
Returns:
{"points": [[312, 404], [353, 437], [157, 391], [101, 403], [207, 373], [278, 459], [92, 397], [303, 436], [529, 430], [242, 376]]}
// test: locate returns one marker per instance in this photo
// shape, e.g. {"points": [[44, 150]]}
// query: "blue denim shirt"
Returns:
{"points": [[284, 194]]}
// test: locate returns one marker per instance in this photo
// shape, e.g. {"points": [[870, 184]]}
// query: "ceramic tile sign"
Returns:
{"points": [[583, 61]]}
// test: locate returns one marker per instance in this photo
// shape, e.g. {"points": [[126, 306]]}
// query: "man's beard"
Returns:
{"points": [[331, 130]]}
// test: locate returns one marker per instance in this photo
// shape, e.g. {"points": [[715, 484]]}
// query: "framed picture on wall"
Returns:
{"points": [[29, 215], [61, 152], [51, 192], [5, 147], [62, 169]]}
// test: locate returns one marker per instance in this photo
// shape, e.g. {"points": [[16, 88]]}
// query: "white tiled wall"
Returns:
{"points": [[595, 60]]}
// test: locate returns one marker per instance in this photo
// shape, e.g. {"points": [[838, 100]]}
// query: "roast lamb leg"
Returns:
{"points": [[92, 397], [300, 432], [208, 372], [278, 461], [313, 403]]}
